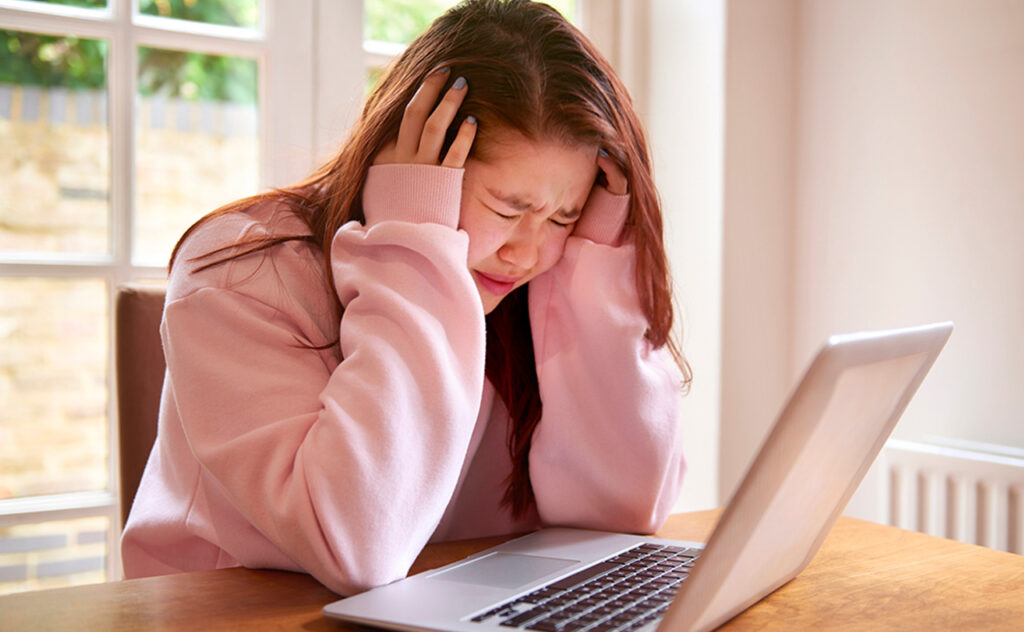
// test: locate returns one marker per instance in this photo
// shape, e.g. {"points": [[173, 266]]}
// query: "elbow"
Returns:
{"points": [[360, 567], [646, 512], [643, 518], [348, 582], [617, 520], [639, 523], [640, 506], [633, 514]]}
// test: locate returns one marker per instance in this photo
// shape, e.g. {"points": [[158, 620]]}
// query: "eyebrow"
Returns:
{"points": [[519, 204]]}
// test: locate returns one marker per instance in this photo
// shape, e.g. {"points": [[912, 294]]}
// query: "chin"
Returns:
{"points": [[487, 300]]}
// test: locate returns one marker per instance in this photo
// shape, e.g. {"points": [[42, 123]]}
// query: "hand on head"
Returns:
{"points": [[422, 132], [614, 179]]}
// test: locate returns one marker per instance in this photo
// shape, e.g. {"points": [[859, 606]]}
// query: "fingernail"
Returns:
{"points": [[603, 153], [471, 119], [459, 84], [443, 70]]}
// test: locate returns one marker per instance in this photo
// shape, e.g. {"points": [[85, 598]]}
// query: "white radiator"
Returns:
{"points": [[968, 492]]}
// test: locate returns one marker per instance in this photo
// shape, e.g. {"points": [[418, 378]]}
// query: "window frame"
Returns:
{"points": [[283, 46]]}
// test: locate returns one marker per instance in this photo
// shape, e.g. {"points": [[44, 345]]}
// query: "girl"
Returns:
{"points": [[458, 327]]}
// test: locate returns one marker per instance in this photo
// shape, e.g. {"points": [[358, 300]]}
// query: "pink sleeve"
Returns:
{"points": [[604, 217], [347, 471], [607, 452]]}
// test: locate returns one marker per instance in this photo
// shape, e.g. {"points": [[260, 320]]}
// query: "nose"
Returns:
{"points": [[522, 249]]}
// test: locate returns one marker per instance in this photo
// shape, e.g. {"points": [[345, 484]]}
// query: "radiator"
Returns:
{"points": [[964, 491]]}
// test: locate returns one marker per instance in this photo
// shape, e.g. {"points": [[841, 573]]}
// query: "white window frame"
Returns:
{"points": [[283, 45]]}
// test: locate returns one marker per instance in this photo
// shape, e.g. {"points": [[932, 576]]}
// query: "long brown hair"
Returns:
{"points": [[531, 71]]}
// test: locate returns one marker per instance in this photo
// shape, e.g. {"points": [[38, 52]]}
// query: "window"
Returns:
{"points": [[121, 122]]}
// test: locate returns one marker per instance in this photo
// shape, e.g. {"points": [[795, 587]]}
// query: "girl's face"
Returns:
{"points": [[519, 207]]}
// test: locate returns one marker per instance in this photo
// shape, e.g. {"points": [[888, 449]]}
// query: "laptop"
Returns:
{"points": [[568, 580]]}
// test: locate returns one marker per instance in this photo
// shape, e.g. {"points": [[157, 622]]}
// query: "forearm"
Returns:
{"points": [[324, 458], [607, 453]]}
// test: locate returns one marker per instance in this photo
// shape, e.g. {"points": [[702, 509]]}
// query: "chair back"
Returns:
{"points": [[139, 366]]}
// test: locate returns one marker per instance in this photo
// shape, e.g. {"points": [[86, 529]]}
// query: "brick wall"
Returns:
{"points": [[54, 199]]}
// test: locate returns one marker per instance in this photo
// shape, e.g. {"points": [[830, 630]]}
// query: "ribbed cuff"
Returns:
{"points": [[413, 193], [604, 216]]}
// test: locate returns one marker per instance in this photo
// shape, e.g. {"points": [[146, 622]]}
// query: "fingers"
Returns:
{"points": [[459, 151], [424, 125], [439, 121], [416, 113], [617, 184]]}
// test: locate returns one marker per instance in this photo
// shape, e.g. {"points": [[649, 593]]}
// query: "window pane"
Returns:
{"points": [[54, 144], [245, 13], [89, 4], [400, 21], [198, 143], [53, 389], [53, 554], [565, 7]]}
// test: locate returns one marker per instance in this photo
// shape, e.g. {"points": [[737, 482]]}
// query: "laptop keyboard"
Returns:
{"points": [[621, 593]]}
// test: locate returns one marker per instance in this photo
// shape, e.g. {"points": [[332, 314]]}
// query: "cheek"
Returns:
{"points": [[550, 252], [484, 236], [484, 241]]}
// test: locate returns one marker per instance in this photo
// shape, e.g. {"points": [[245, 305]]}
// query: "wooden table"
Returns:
{"points": [[866, 577]]}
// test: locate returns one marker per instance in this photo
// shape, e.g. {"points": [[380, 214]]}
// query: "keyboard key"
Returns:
{"points": [[597, 569], [620, 594], [520, 619]]}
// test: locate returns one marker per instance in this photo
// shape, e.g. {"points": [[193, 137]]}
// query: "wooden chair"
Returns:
{"points": [[139, 365]]}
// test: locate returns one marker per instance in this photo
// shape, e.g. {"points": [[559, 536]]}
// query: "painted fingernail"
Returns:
{"points": [[471, 119], [603, 152], [459, 84], [443, 70]]}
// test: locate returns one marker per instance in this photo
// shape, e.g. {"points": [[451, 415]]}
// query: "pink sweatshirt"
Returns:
{"points": [[274, 455]]}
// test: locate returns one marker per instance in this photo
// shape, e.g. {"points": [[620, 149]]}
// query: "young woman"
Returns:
{"points": [[458, 327]]}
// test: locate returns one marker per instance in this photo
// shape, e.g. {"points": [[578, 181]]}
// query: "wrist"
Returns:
{"points": [[604, 217], [412, 193]]}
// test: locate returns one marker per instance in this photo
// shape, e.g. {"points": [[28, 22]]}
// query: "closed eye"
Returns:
{"points": [[503, 215], [566, 219]]}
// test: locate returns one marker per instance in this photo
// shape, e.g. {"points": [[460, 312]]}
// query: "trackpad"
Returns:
{"points": [[505, 570]]}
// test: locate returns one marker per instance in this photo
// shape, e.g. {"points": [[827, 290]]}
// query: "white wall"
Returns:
{"points": [[874, 162], [910, 201], [685, 119], [757, 291]]}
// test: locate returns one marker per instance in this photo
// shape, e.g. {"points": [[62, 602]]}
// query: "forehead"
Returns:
{"points": [[514, 165], [497, 143]]}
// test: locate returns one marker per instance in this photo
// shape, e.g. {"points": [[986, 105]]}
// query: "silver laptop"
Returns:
{"points": [[567, 580]]}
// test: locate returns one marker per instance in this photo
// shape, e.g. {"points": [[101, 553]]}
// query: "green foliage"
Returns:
{"points": [[46, 60], [226, 12], [187, 75], [88, 4], [400, 20]]}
